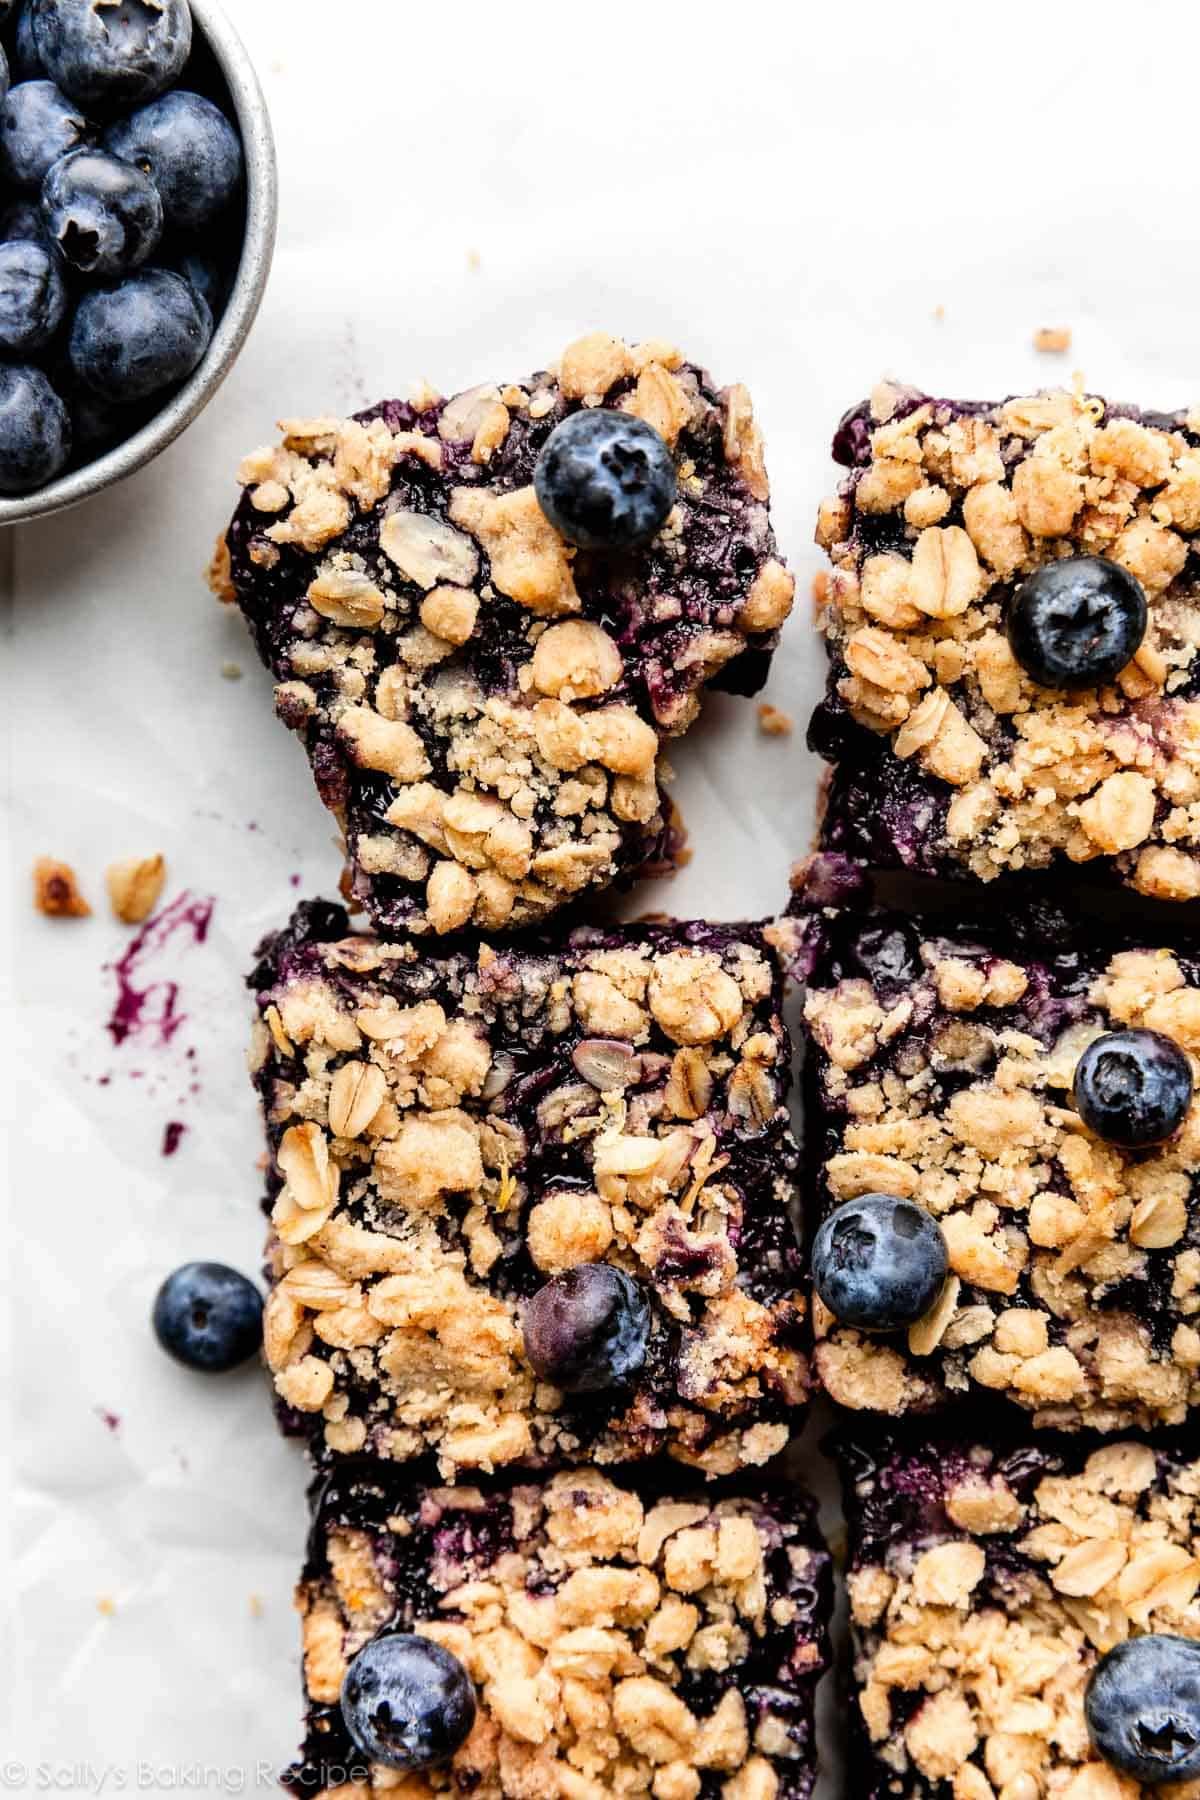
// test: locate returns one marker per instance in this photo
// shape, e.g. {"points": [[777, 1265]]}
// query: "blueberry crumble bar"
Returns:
{"points": [[991, 1584], [483, 697], [1002, 1159], [617, 1643], [1013, 626], [531, 1203]]}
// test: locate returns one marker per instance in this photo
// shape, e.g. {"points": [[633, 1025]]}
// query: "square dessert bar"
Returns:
{"points": [[453, 1132], [955, 752], [619, 1643], [484, 704], [986, 1581], [941, 1062]]}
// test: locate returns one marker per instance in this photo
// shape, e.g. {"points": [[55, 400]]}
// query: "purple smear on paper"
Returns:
{"points": [[147, 1003], [111, 1419], [172, 1136]]}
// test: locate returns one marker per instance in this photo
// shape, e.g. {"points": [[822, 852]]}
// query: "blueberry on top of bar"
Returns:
{"points": [[1027, 1083], [1013, 627], [531, 1203], [485, 614], [663, 1641]]}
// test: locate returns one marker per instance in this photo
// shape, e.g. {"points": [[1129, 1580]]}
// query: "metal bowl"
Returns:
{"points": [[241, 308]]}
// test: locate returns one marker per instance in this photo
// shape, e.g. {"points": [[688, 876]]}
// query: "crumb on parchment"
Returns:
{"points": [[135, 886], [774, 722], [1053, 340], [56, 890]]}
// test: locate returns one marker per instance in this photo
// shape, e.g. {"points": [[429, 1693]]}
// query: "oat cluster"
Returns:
{"points": [[451, 1131], [619, 1645], [946, 509], [1075, 1266], [985, 1585], [483, 707]]}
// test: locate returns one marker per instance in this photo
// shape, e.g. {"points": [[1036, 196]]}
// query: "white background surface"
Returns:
{"points": [[790, 193]]}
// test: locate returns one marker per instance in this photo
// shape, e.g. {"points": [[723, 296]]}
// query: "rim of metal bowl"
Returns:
{"points": [[254, 267]]}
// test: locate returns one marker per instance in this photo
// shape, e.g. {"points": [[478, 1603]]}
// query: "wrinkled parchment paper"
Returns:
{"points": [[805, 199]]}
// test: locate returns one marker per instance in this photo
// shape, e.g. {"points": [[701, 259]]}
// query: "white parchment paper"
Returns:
{"points": [[805, 198]]}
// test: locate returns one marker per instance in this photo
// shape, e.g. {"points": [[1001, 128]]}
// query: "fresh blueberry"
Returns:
{"points": [[33, 297], [38, 126], [35, 432], [588, 1329], [22, 222], [5, 77], [1076, 623], [1133, 1088], [27, 65], [111, 55], [605, 480], [96, 424], [206, 276], [208, 1317], [105, 215], [407, 1703], [189, 150], [879, 1262], [132, 341], [1143, 1708]]}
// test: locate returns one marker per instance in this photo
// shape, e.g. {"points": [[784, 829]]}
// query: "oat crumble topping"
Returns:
{"points": [[951, 759], [56, 890], [482, 705], [449, 1131], [941, 1063], [620, 1644], [985, 1582]]}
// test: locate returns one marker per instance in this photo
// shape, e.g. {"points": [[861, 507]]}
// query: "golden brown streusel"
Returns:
{"points": [[56, 890]]}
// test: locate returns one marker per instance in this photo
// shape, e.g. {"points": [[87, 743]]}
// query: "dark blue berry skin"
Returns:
{"points": [[35, 432], [38, 127], [112, 55], [407, 1702], [105, 216], [1076, 623], [33, 297], [205, 276], [27, 65], [879, 1262], [208, 1317], [588, 1329], [1143, 1709], [22, 222], [1133, 1088], [5, 76], [189, 150], [132, 341], [605, 480]]}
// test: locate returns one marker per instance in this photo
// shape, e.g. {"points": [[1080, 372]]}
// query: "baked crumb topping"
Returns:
{"points": [[135, 886], [56, 890], [448, 1133], [482, 704], [984, 1586], [1075, 1266], [663, 1647], [946, 508]]}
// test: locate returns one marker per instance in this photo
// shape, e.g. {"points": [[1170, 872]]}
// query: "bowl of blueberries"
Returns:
{"points": [[137, 224]]}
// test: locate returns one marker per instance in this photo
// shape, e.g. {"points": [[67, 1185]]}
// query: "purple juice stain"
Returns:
{"points": [[111, 1420], [150, 1008], [172, 1136]]}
